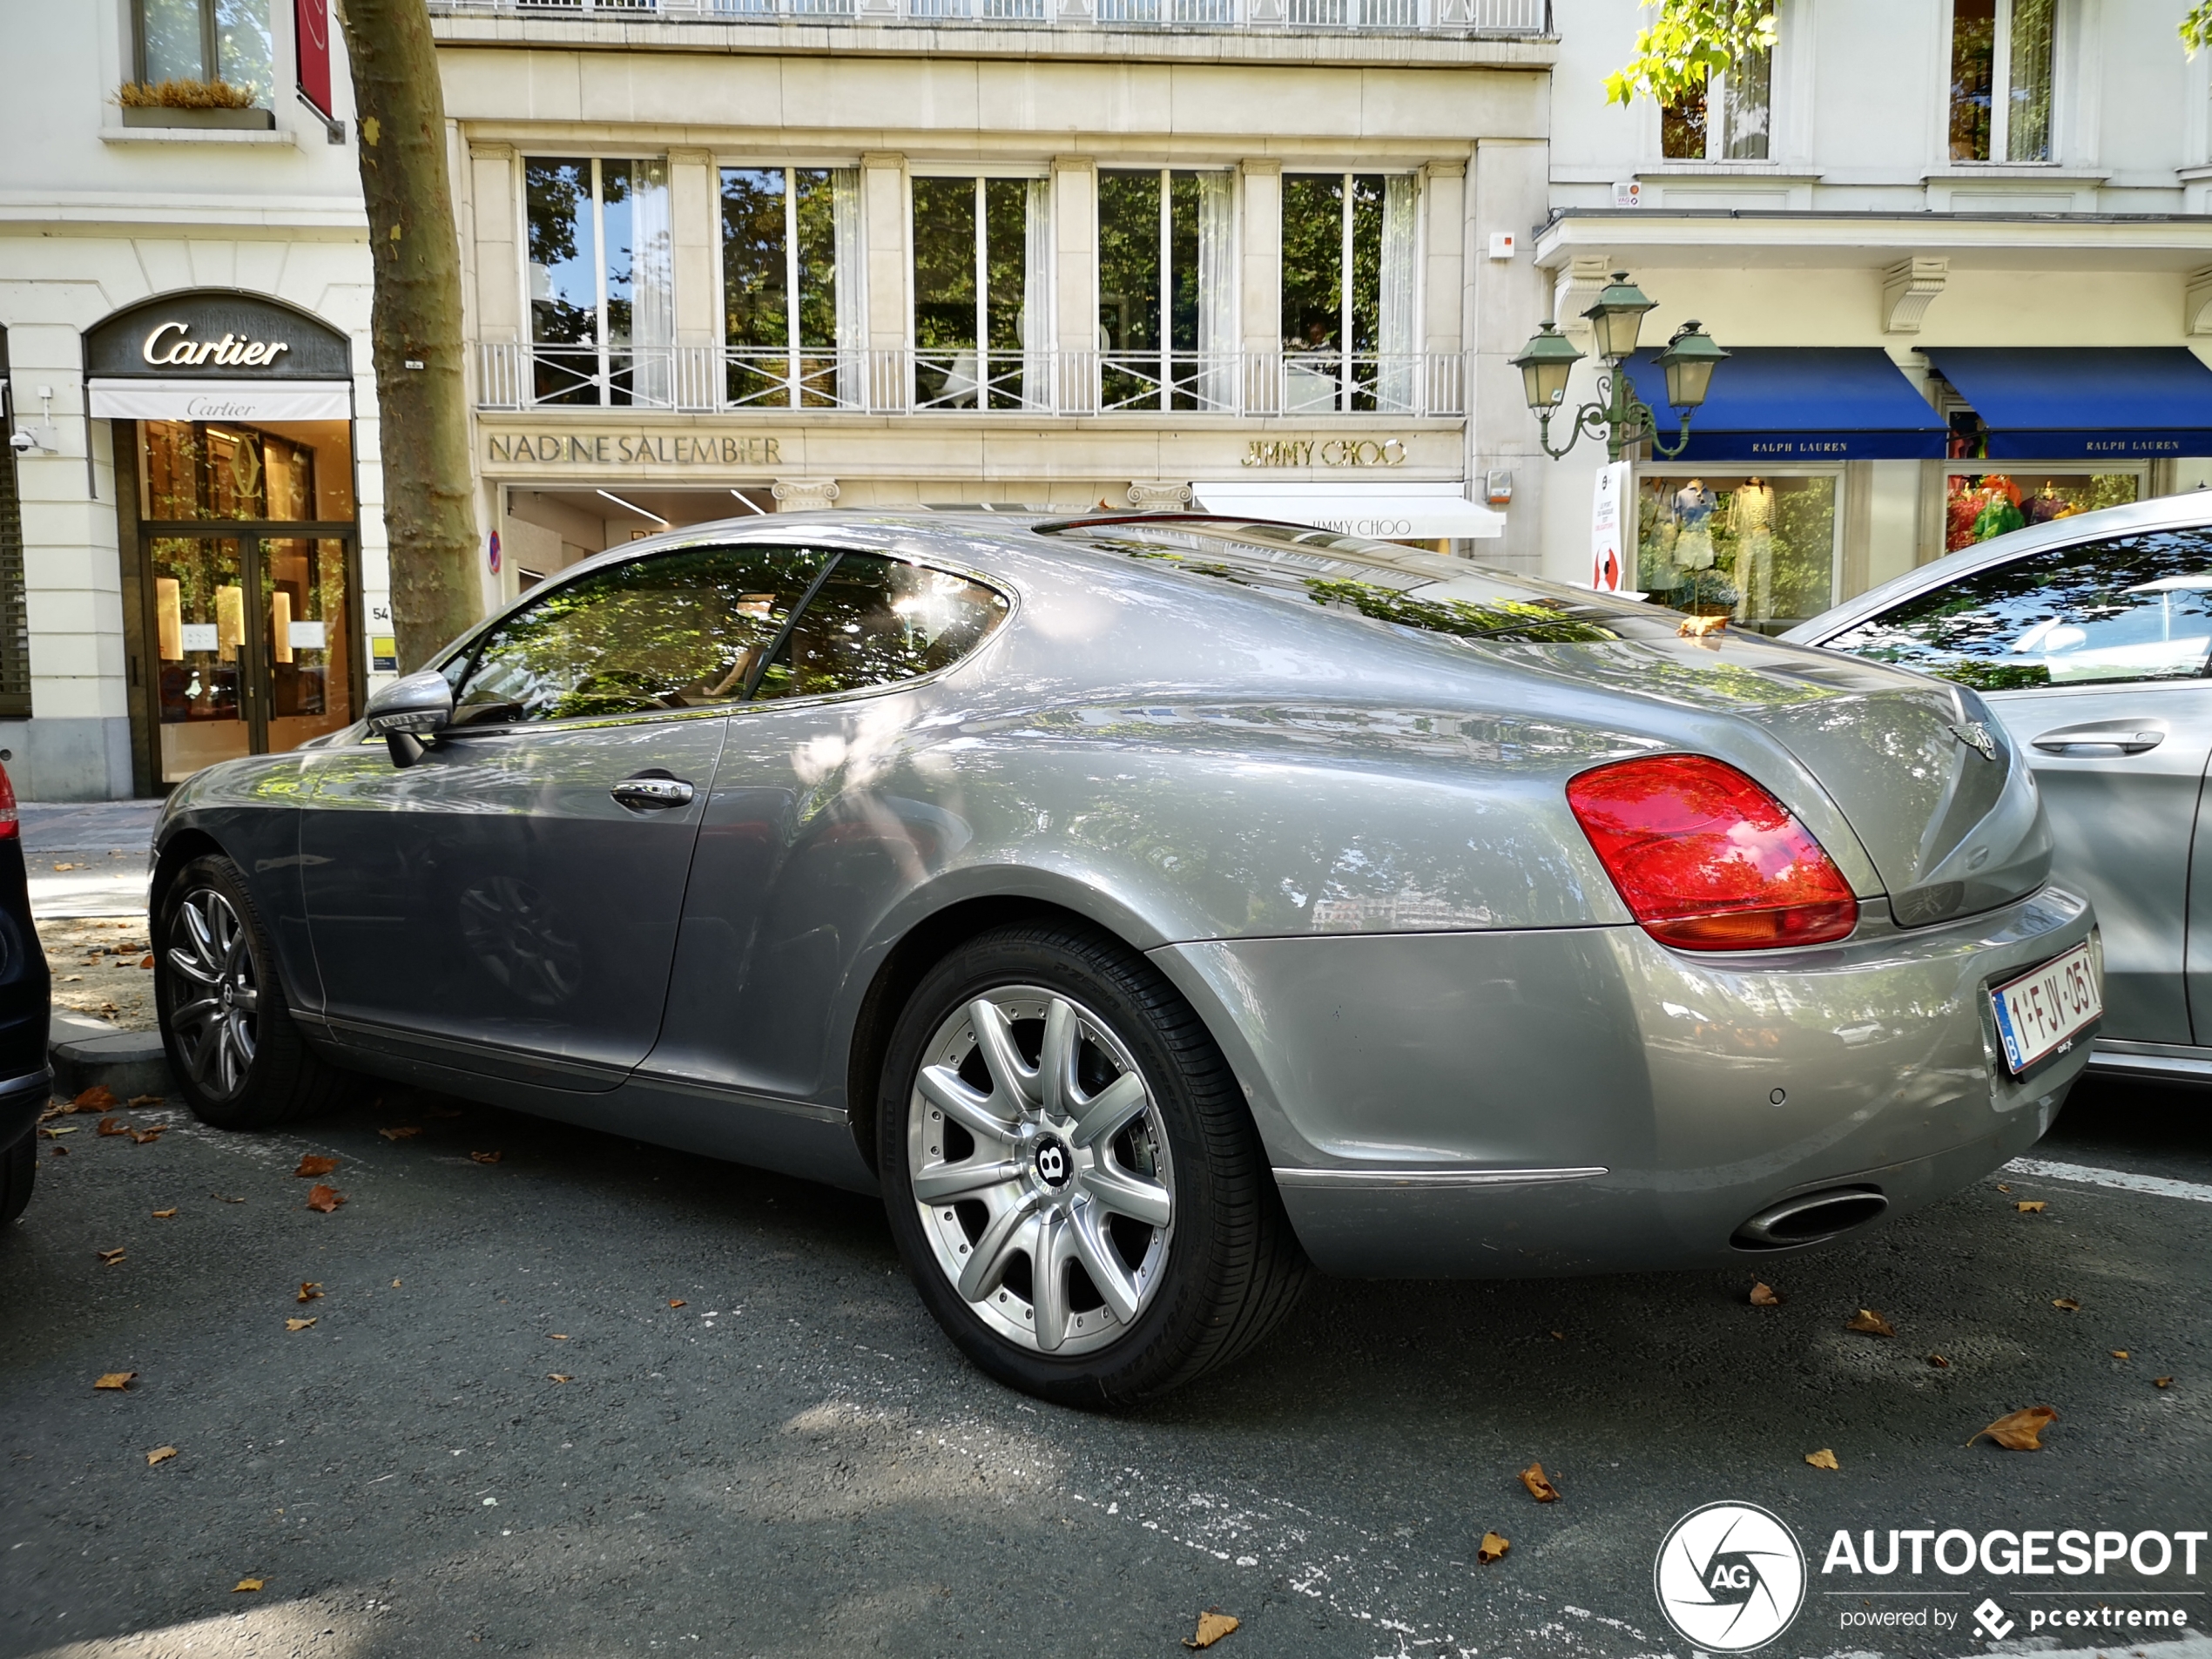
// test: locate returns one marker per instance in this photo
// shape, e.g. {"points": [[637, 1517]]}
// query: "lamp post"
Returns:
{"points": [[1619, 416]]}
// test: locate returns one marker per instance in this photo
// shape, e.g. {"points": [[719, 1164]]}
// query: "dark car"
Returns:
{"points": [[25, 989]]}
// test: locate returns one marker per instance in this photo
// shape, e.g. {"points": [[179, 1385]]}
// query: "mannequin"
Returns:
{"points": [[2046, 504], [1693, 515], [1750, 515]]}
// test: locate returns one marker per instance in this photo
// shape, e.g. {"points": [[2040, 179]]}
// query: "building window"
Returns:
{"points": [[2001, 55], [602, 291], [792, 287], [207, 40], [1728, 120], [1167, 316], [1350, 323], [1757, 547], [982, 298], [15, 627]]}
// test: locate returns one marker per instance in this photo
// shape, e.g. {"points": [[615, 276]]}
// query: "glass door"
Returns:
{"points": [[200, 646], [306, 639]]}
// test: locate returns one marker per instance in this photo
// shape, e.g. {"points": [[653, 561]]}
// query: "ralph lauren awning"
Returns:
{"points": [[1770, 404], [2082, 402]]}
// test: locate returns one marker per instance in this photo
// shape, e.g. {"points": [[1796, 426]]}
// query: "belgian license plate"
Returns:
{"points": [[2042, 1010]]}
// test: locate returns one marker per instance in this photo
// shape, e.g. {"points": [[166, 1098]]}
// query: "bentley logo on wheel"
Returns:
{"points": [[1730, 1577], [1052, 1162], [1977, 736]]}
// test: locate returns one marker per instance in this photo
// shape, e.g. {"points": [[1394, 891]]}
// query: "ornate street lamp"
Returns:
{"points": [[1619, 416]]}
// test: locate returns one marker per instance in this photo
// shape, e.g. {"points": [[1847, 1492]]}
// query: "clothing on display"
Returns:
{"points": [[1694, 506]]}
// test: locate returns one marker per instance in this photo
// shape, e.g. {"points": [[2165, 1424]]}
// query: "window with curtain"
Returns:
{"points": [[1727, 120], [2002, 59], [601, 281], [982, 301], [790, 286], [1167, 317], [1351, 313], [207, 40]]}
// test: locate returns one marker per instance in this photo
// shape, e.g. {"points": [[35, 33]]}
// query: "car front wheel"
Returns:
{"points": [[1072, 1176]]}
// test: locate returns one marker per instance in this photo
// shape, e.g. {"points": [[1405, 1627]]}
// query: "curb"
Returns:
{"points": [[86, 1052]]}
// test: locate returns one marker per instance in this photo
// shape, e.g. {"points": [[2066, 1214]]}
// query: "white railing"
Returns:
{"points": [[961, 380], [1507, 17]]}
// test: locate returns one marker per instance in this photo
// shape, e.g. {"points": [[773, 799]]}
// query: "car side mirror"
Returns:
{"points": [[410, 709]]}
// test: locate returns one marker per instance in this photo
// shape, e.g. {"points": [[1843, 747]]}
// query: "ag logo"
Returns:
{"points": [[1730, 1577]]}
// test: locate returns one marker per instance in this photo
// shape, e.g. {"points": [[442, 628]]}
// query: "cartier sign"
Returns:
{"points": [[216, 335], [170, 346]]}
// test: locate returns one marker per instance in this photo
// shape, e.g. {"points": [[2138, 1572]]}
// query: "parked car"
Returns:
{"points": [[25, 1009], [1147, 906], [2088, 637]]}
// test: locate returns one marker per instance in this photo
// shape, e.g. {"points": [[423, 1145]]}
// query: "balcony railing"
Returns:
{"points": [[1501, 18], [709, 379]]}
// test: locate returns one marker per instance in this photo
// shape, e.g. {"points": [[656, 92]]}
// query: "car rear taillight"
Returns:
{"points": [[8, 827], [1706, 859]]}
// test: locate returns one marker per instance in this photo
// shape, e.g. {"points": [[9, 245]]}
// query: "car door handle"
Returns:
{"points": [[652, 794], [2083, 741]]}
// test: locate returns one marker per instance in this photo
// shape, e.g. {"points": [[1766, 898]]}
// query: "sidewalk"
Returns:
{"points": [[87, 858]]}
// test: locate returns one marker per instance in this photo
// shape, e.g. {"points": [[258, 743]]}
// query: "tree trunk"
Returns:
{"points": [[430, 512]]}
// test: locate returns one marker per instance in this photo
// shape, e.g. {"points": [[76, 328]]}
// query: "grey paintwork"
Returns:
{"points": [[2124, 824], [1346, 842]]}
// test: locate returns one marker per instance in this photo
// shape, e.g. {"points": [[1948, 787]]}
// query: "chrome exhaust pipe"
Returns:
{"points": [[1811, 1218]]}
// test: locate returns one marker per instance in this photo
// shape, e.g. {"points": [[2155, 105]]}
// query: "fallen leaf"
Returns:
{"points": [[1824, 1459], [559, 1376], [1492, 1548], [2021, 1430], [61, 1151], [98, 1098], [2030, 1206], [72, 979], [310, 1289], [65, 867], [1763, 1296], [297, 1324], [1539, 1488], [60, 1130], [2120, 1353], [324, 1199], [404, 1132], [312, 1165], [557, 1336], [245, 1584], [2066, 1305], [485, 1157], [115, 1379], [1698, 627], [2001, 1187], [160, 1454], [2162, 1382], [109, 1258], [676, 1304], [219, 1198], [149, 1100], [396, 1284], [163, 1215], [147, 962], [1559, 1336], [113, 1126], [1871, 1322], [1938, 1362], [148, 1137], [445, 1111], [1211, 1628]]}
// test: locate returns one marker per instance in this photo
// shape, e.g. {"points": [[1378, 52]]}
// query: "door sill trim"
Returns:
{"points": [[2116, 1057]]}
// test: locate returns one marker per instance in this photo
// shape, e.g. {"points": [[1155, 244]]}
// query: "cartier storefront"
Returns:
{"points": [[240, 569]]}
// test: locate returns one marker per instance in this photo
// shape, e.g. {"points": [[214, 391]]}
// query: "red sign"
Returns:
{"points": [[313, 32]]}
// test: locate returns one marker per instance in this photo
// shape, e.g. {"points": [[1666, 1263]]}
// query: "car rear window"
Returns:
{"points": [[1373, 579]]}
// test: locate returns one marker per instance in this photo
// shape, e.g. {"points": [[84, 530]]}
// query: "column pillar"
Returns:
{"points": [[1074, 280], [1505, 301], [883, 210], [1260, 284]]}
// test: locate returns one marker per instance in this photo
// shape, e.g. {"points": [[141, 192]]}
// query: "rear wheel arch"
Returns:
{"points": [[177, 852]]}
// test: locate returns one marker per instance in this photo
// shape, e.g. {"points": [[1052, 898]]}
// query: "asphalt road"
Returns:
{"points": [[794, 1462]]}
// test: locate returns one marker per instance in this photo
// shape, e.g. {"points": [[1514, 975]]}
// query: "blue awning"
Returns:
{"points": [[1800, 404], [2087, 403]]}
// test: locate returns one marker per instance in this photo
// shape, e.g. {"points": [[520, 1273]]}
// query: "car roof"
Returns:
{"points": [[2189, 511]]}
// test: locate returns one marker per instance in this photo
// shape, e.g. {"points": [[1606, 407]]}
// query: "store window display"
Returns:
{"points": [[1758, 548], [1977, 506]]}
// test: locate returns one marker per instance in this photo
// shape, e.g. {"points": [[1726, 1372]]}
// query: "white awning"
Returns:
{"points": [[182, 400], [1385, 511]]}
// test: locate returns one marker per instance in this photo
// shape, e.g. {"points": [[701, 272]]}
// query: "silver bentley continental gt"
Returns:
{"points": [[1151, 906]]}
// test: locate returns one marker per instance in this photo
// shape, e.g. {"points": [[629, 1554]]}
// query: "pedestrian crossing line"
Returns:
{"points": [[2122, 1180]]}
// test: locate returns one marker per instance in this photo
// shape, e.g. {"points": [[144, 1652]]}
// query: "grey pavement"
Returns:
{"points": [[105, 843], [794, 1461]]}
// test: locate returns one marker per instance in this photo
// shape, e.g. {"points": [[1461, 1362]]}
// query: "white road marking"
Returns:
{"points": [[2157, 1185]]}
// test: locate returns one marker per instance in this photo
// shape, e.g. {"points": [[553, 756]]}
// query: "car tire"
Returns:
{"points": [[1170, 1253], [234, 1051], [18, 1174]]}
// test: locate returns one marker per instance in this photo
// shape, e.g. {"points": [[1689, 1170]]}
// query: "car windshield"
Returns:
{"points": [[1378, 580]]}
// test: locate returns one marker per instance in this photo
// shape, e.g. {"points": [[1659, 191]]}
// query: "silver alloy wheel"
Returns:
{"points": [[208, 956], [1039, 1162]]}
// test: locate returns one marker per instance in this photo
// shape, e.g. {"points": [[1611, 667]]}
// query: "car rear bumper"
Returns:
{"points": [[1587, 1101]]}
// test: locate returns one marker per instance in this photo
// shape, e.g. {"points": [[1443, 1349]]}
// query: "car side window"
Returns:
{"points": [[683, 630], [875, 621], [2132, 608]]}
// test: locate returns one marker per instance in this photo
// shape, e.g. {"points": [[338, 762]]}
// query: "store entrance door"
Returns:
{"points": [[251, 637]]}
